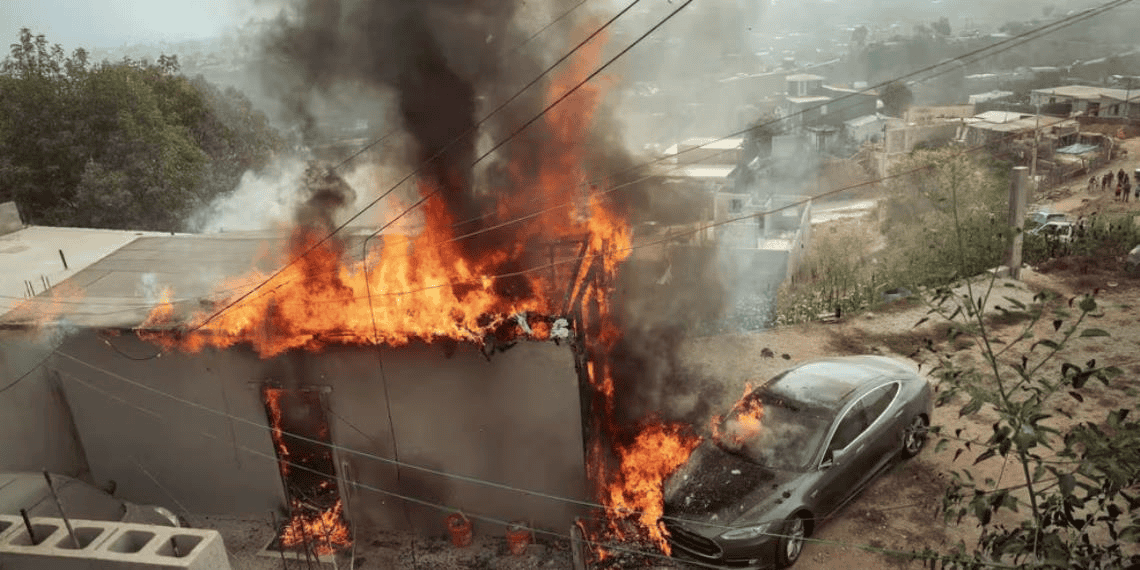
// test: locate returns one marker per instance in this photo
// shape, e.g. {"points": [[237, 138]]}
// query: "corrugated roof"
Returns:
{"points": [[1077, 148]]}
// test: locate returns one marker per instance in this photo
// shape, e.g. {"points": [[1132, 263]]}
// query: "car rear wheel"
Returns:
{"points": [[791, 542], [914, 436]]}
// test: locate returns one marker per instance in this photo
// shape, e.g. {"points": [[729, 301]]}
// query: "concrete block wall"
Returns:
{"points": [[106, 545]]}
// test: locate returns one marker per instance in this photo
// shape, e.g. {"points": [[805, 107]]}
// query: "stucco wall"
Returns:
{"points": [[35, 428], [514, 419]]}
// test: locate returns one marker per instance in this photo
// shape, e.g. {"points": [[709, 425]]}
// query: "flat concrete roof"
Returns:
{"points": [[117, 285], [32, 254], [1023, 123], [120, 284], [1090, 92], [702, 171], [809, 99]]}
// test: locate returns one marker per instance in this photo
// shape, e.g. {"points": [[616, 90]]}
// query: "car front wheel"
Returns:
{"points": [[791, 542], [914, 436]]}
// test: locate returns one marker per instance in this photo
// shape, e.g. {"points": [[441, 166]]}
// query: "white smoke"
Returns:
{"points": [[260, 202]]}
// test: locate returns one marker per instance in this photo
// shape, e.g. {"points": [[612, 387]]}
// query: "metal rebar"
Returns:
{"points": [[305, 544], [277, 537], [28, 525], [62, 515]]}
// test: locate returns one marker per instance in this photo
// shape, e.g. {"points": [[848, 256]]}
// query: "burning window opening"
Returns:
{"points": [[316, 525]]}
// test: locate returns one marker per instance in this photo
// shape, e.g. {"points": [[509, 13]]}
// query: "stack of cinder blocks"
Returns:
{"points": [[105, 545]]}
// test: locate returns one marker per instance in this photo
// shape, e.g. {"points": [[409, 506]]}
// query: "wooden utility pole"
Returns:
{"points": [[1017, 198]]}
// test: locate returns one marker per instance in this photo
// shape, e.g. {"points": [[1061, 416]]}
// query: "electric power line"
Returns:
{"points": [[493, 520], [439, 153], [512, 51], [13, 383], [663, 240], [977, 54], [385, 460]]}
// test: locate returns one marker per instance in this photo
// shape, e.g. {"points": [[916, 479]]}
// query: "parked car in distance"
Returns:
{"points": [[1042, 217], [80, 500], [790, 453], [1060, 231]]}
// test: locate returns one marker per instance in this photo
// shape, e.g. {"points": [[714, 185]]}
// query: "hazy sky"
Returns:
{"points": [[110, 23]]}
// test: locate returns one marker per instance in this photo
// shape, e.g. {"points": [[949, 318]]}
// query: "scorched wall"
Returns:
{"points": [[513, 419]]}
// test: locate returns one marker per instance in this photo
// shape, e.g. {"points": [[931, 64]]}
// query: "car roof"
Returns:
{"points": [[831, 382]]}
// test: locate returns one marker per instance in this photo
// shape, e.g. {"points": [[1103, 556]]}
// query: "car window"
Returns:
{"points": [[772, 431], [876, 402], [852, 424]]}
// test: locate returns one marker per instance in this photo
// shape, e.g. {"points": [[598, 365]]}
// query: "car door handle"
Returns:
{"points": [[860, 448]]}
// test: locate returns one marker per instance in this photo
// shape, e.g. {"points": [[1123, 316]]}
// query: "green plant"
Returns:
{"points": [[1074, 508]]}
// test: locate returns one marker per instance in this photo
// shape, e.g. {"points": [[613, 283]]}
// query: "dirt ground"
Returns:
{"points": [[901, 510]]}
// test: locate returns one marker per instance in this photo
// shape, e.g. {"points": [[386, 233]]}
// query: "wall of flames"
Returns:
{"points": [[427, 287]]}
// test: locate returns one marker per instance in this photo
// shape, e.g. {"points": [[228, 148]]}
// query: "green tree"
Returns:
{"points": [[944, 190], [941, 27], [897, 98], [1076, 505], [119, 145]]}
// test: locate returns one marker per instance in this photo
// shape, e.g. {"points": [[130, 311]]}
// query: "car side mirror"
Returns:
{"points": [[832, 458]]}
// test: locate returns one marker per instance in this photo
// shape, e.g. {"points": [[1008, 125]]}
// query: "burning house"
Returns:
{"points": [[501, 360]]}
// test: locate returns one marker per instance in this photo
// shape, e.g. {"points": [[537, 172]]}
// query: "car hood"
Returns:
{"points": [[723, 489]]}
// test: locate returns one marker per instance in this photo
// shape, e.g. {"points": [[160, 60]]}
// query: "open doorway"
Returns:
{"points": [[316, 525]]}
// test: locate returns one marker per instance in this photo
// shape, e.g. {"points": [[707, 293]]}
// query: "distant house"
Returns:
{"points": [[1090, 101], [809, 103], [708, 151], [870, 128], [990, 96], [1004, 128]]}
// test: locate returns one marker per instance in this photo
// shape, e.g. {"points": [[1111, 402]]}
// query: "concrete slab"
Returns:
{"points": [[33, 255]]}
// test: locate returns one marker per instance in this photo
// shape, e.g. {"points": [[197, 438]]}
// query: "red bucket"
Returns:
{"points": [[518, 538], [460, 530]]}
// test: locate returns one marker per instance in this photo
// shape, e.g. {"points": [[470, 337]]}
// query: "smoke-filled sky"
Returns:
{"points": [[112, 23]]}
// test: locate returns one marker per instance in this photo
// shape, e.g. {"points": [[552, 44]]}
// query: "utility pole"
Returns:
{"points": [[1036, 142], [1017, 201], [1127, 104]]}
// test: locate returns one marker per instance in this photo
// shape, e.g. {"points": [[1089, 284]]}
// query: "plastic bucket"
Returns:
{"points": [[518, 538], [460, 530]]}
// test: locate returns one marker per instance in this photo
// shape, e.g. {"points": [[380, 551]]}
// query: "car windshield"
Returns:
{"points": [[772, 431]]}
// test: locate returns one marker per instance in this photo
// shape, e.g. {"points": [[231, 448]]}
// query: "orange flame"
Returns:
{"points": [[743, 421], [426, 286], [324, 531], [654, 455]]}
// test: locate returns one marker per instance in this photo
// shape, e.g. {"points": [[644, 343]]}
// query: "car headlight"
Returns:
{"points": [[746, 532]]}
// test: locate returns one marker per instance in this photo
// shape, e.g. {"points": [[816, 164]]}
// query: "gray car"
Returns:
{"points": [[791, 453]]}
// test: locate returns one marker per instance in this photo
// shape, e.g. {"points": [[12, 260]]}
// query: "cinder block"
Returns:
{"points": [[105, 545], [7, 523], [148, 547]]}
